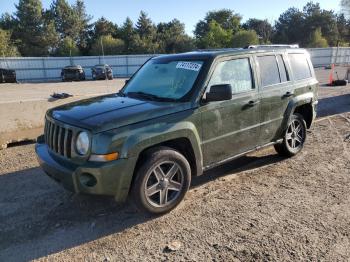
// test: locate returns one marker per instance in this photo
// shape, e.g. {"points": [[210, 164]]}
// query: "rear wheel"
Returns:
{"points": [[162, 181], [294, 137]]}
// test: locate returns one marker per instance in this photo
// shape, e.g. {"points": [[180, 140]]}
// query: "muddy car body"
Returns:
{"points": [[178, 116], [73, 73], [102, 72], [7, 76]]}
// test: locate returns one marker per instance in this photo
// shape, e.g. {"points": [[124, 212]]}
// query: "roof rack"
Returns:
{"points": [[217, 49], [272, 46]]}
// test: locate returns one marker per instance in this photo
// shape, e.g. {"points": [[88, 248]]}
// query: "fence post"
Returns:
{"points": [[127, 66], [44, 68]]}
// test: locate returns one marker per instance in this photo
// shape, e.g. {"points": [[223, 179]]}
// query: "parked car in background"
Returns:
{"points": [[73, 73], [103, 71], [7, 76], [178, 116]]}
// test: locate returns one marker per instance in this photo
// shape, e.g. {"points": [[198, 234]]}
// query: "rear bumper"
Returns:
{"points": [[112, 179]]}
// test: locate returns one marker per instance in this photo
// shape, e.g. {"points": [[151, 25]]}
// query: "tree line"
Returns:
{"points": [[67, 30]]}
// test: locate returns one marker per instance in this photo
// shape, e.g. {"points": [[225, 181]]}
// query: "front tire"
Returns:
{"points": [[294, 137], [162, 181]]}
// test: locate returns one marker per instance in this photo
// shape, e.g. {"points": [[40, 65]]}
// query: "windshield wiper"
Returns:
{"points": [[150, 96], [121, 94]]}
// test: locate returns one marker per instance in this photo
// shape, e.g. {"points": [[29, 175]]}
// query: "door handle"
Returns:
{"points": [[288, 94], [253, 103]]}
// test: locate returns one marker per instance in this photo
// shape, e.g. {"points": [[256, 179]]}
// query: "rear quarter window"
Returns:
{"points": [[300, 66]]}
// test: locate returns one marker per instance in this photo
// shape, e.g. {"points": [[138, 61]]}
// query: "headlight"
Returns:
{"points": [[82, 143]]}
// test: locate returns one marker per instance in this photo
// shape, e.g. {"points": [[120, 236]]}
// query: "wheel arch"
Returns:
{"points": [[302, 104], [306, 111], [181, 144]]}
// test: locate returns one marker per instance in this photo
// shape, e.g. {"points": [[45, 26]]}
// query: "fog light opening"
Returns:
{"points": [[87, 180]]}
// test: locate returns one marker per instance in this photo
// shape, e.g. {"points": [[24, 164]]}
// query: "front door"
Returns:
{"points": [[231, 127]]}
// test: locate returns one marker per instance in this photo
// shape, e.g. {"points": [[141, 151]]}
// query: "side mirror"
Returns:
{"points": [[219, 93]]}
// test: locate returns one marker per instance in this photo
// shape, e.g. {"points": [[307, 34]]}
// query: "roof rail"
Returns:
{"points": [[272, 46], [217, 49]]}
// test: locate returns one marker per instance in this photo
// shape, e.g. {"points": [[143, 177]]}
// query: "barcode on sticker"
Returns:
{"points": [[189, 66]]}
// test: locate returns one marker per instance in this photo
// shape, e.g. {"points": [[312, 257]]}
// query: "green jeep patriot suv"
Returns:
{"points": [[178, 116]]}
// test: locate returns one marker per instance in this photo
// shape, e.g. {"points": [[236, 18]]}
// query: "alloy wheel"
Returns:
{"points": [[164, 184], [295, 134]]}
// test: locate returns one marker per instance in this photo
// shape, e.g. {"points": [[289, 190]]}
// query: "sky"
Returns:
{"points": [[187, 11]]}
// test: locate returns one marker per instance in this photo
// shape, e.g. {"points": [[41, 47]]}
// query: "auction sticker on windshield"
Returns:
{"points": [[189, 66]]}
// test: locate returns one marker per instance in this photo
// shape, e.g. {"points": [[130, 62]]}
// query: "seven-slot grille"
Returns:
{"points": [[58, 138]]}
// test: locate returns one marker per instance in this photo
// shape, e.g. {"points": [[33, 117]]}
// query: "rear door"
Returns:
{"points": [[276, 90], [231, 127]]}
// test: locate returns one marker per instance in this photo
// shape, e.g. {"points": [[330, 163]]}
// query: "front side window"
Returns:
{"points": [[161, 79], [235, 72], [269, 72]]}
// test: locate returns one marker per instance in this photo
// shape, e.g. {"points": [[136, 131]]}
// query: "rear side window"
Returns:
{"points": [[282, 69], [300, 66], [269, 72], [235, 72]]}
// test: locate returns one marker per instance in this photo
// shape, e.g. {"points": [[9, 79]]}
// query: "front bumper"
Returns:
{"points": [[112, 178]]}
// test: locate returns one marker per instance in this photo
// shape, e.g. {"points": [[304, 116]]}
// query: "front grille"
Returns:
{"points": [[58, 138]]}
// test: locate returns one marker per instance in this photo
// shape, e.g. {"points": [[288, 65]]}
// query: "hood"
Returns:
{"points": [[103, 113]]}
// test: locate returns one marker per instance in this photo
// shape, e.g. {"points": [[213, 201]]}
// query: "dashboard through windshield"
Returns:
{"points": [[168, 81]]}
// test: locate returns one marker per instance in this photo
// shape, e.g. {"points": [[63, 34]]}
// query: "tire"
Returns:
{"points": [[166, 175], [294, 137]]}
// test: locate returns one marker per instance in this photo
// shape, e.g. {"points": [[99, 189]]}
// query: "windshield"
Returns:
{"points": [[169, 80]]}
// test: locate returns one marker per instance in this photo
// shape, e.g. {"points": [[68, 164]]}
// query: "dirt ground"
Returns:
{"points": [[23, 106], [259, 207]]}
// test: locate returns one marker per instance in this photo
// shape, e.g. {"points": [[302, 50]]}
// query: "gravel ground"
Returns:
{"points": [[259, 207], [23, 106]]}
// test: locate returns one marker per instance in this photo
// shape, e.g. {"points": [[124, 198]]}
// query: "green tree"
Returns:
{"points": [[216, 37], [7, 22], [7, 48], [64, 18], [110, 45], [343, 29], [290, 27], [226, 18], [295, 26], [145, 26], [262, 27], [345, 6], [72, 21], [315, 17], [145, 39], [172, 37], [244, 38], [67, 47], [36, 36], [127, 32], [83, 25], [143, 45], [317, 40], [104, 27]]}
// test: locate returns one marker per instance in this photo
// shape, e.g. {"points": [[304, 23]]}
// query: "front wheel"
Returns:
{"points": [[294, 137], [162, 181]]}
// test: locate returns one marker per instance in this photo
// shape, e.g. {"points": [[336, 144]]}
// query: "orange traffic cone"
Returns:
{"points": [[330, 83]]}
